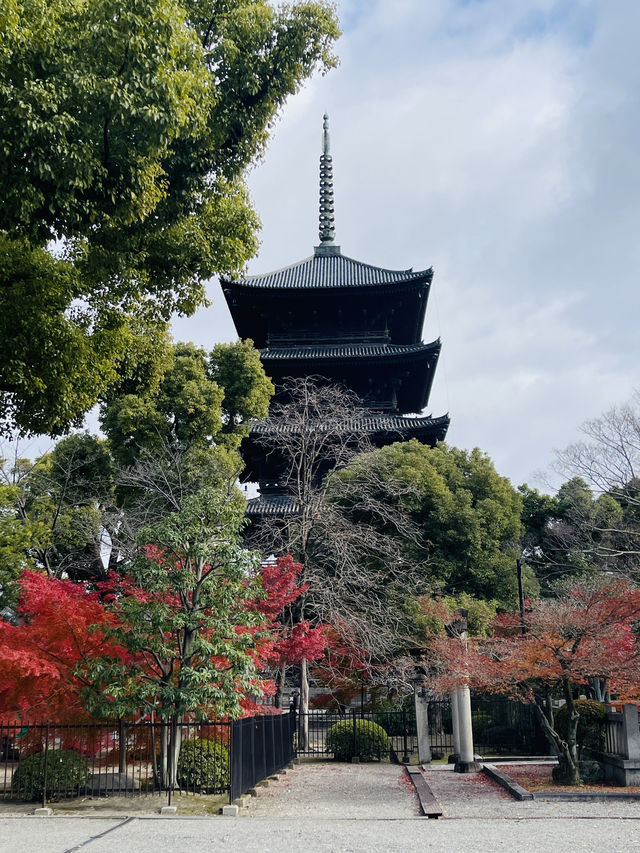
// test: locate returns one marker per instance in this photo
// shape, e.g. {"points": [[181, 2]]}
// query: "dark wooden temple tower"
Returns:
{"points": [[352, 323]]}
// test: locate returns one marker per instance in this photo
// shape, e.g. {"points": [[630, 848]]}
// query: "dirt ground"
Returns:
{"points": [[187, 804], [537, 777]]}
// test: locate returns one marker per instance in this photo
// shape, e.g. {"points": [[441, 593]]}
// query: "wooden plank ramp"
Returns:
{"points": [[431, 808]]}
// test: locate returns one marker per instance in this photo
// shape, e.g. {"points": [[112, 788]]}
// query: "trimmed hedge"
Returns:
{"points": [[371, 740], [591, 724], [203, 765], [66, 773]]}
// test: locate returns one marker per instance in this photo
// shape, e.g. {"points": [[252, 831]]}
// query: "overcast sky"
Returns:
{"points": [[497, 141]]}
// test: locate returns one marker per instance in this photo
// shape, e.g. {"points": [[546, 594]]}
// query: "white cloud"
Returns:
{"points": [[498, 142]]}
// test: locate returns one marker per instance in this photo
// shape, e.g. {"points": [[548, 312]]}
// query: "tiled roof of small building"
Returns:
{"points": [[272, 505], [358, 350], [332, 270]]}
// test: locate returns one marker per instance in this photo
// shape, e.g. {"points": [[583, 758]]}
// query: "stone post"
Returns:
{"points": [[466, 762], [422, 725], [631, 731], [455, 755]]}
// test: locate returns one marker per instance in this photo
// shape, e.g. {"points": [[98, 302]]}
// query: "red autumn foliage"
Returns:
{"points": [[61, 625], [287, 645], [585, 634], [279, 580]]}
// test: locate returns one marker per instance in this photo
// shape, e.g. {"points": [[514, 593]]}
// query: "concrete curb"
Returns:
{"points": [[505, 781], [585, 797]]}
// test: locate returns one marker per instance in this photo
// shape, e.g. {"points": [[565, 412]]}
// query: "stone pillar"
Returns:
{"points": [[466, 762], [455, 755], [422, 725], [631, 731]]}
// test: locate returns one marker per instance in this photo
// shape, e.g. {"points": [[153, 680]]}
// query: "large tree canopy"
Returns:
{"points": [[127, 128], [181, 433], [469, 515]]}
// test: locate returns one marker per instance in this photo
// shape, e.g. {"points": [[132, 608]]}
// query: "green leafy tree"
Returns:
{"points": [[128, 126], [80, 506], [17, 538], [187, 619], [54, 511], [468, 515], [574, 532], [184, 432]]}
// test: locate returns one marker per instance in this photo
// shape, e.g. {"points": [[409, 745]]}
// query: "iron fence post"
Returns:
{"points": [[231, 756], [355, 736], [405, 745], [170, 763], [122, 757], [46, 762]]}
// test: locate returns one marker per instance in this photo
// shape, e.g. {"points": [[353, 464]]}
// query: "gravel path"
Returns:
{"points": [[473, 795], [329, 790], [342, 808]]}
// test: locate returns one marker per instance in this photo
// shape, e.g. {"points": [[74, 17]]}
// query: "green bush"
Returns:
{"points": [[591, 724], [371, 740], [66, 772], [203, 765]]}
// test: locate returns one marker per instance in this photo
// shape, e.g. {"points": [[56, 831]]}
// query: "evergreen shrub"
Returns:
{"points": [[66, 773], [371, 740], [203, 765]]}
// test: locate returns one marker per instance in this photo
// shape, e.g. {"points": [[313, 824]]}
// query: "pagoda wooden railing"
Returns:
{"points": [[309, 337]]}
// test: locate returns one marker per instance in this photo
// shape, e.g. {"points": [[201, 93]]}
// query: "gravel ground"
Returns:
{"points": [[338, 790], [474, 796], [340, 808]]}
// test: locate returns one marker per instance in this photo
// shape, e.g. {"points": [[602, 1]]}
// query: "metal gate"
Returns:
{"points": [[314, 726], [501, 726]]}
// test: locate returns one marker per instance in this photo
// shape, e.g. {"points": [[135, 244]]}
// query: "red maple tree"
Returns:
{"points": [[61, 625], [585, 633]]}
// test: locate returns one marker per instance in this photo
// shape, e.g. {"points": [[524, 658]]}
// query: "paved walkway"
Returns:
{"points": [[339, 808]]}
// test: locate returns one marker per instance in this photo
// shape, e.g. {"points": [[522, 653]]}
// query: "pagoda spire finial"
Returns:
{"points": [[327, 220]]}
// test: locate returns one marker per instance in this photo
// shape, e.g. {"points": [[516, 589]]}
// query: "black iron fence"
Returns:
{"points": [[319, 732], [261, 747], [47, 761], [51, 761], [500, 726]]}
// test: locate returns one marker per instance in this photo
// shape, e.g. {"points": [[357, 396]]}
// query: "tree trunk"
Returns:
{"points": [[170, 743], [567, 772], [303, 733]]}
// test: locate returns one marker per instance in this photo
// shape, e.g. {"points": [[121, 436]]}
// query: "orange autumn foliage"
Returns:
{"points": [[586, 633]]}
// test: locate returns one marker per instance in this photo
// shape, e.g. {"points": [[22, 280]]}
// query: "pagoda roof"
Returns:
{"points": [[382, 429], [329, 271], [342, 351], [367, 424]]}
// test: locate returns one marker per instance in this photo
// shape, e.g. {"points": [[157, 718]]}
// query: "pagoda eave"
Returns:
{"points": [[380, 430]]}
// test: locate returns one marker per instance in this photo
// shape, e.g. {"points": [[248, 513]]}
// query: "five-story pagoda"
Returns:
{"points": [[352, 324]]}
